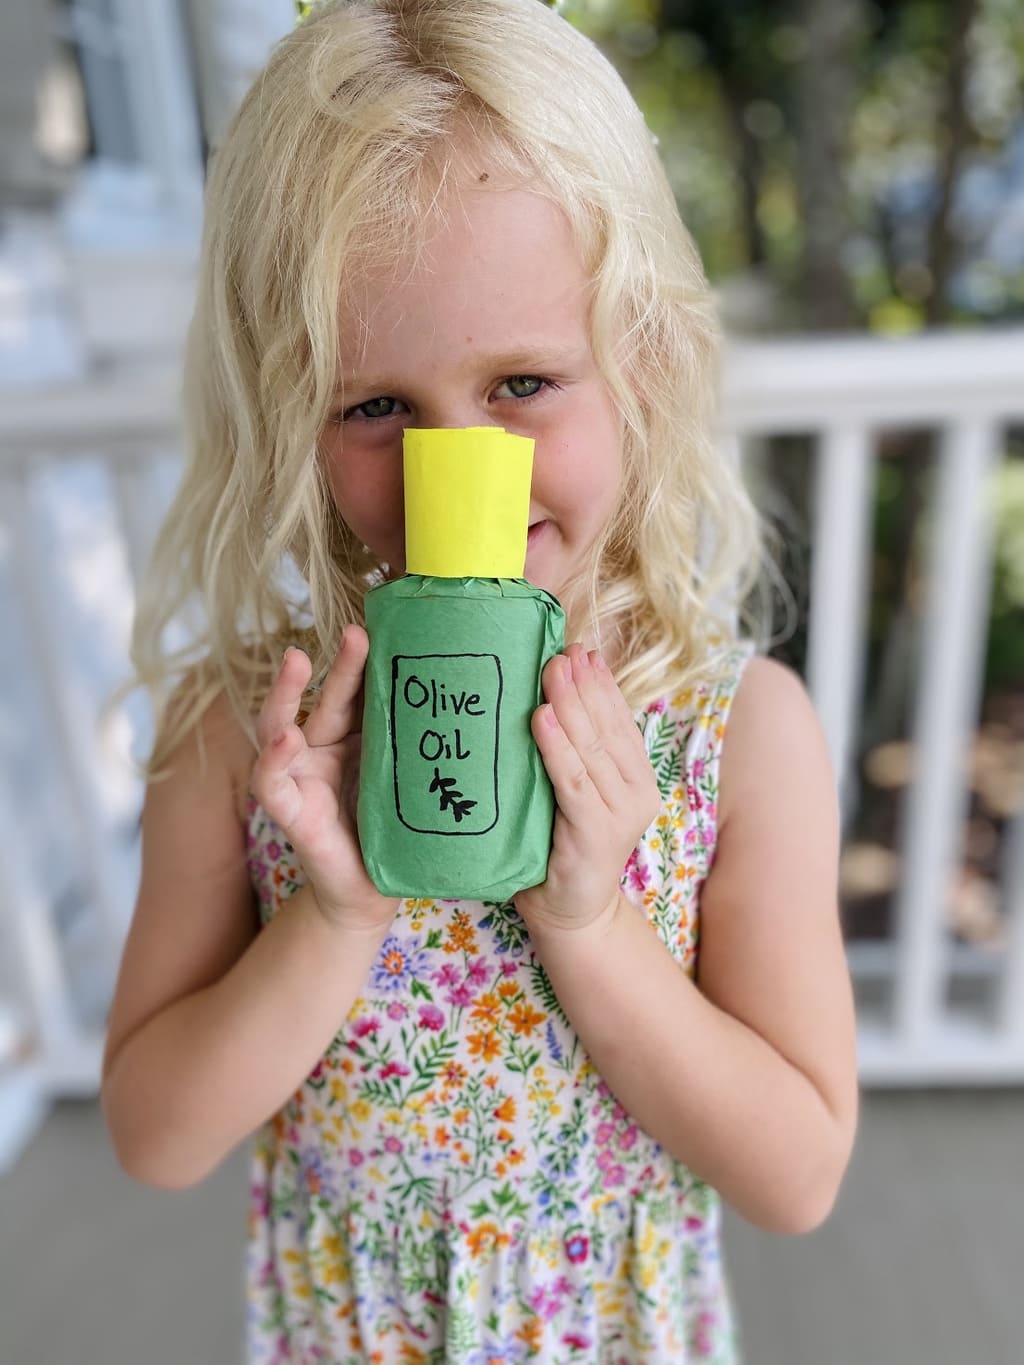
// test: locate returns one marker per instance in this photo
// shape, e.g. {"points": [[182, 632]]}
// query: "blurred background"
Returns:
{"points": [[853, 173]]}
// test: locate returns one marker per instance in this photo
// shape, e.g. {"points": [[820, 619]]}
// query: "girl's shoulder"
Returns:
{"points": [[201, 728], [697, 711], [773, 724]]}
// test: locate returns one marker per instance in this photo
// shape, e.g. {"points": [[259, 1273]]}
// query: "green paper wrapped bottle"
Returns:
{"points": [[454, 800]]}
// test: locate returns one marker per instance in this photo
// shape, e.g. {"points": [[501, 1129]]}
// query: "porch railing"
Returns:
{"points": [[840, 392]]}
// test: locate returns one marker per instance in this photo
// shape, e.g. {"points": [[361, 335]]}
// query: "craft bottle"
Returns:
{"points": [[454, 800]]}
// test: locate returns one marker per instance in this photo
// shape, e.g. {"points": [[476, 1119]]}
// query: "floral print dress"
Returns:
{"points": [[454, 1184]]}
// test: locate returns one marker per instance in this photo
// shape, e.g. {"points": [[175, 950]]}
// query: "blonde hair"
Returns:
{"points": [[337, 148]]}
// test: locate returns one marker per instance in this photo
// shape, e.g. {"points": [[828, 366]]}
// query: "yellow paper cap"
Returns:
{"points": [[467, 502]]}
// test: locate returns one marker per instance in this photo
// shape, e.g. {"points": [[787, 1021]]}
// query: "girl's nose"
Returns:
{"points": [[455, 413]]}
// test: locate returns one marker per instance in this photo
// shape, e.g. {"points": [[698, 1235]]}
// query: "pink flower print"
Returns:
{"points": [[431, 1017], [575, 1339], [707, 835], [479, 971], [656, 707], [273, 850], [545, 1304], [627, 1140], [365, 1025], [576, 1247], [614, 1175], [694, 1224], [460, 995], [394, 1069], [355, 1157], [509, 968], [703, 1342], [639, 878], [393, 1144], [447, 975], [259, 1198], [698, 767], [605, 1133], [396, 1010]]}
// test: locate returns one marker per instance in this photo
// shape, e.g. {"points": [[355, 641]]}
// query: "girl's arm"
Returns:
{"points": [[214, 1024], [749, 1078]]}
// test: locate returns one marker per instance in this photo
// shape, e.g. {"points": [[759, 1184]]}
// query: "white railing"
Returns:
{"points": [[968, 388], [842, 392]]}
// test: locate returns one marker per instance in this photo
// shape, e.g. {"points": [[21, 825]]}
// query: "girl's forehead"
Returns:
{"points": [[498, 273], [503, 234]]}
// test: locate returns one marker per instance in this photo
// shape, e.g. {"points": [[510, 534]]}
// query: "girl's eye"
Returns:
{"points": [[372, 410], [523, 385]]}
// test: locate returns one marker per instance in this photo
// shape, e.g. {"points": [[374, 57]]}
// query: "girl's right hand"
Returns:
{"points": [[307, 780]]}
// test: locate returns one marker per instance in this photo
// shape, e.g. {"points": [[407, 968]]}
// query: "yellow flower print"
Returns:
{"points": [[488, 1007], [455, 1074], [461, 1117], [678, 794], [338, 1090], [524, 1018], [485, 1044], [683, 698], [486, 1237], [531, 1332], [508, 989], [461, 934], [360, 1109], [506, 1110], [661, 821]]}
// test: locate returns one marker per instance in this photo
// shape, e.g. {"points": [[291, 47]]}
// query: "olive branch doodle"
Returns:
{"points": [[453, 800]]}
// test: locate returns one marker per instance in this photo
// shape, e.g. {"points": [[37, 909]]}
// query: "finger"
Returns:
{"points": [[575, 792], [337, 711], [609, 713], [589, 744], [281, 704], [272, 783]]}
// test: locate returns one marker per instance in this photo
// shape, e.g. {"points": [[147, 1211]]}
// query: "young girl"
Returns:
{"points": [[486, 1132]]}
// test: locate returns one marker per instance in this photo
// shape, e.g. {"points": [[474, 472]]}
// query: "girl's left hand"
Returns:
{"points": [[605, 789]]}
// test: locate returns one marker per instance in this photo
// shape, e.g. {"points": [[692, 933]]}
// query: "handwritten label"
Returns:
{"points": [[445, 712]]}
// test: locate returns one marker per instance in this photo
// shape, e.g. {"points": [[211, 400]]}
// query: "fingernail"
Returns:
{"points": [[550, 719], [565, 668], [598, 661]]}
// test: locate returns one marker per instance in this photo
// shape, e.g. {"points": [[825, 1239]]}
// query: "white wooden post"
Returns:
{"points": [[839, 584], [947, 708]]}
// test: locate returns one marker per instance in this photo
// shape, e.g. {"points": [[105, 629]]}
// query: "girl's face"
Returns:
{"points": [[487, 327]]}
